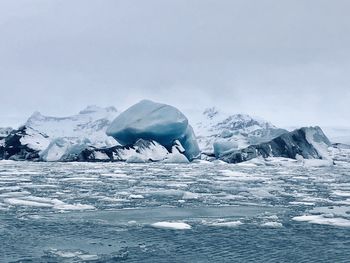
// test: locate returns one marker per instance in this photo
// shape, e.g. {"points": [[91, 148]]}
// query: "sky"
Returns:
{"points": [[287, 61]]}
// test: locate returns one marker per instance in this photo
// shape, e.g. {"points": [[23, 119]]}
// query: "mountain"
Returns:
{"points": [[215, 129]]}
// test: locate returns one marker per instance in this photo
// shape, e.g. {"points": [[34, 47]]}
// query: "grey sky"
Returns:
{"points": [[286, 61]]}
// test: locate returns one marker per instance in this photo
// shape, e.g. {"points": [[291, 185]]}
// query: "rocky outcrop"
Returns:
{"points": [[308, 143]]}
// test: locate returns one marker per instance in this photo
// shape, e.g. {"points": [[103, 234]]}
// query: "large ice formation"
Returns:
{"points": [[307, 142], [149, 120]]}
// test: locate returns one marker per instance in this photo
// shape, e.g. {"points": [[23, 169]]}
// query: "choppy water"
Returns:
{"points": [[104, 212]]}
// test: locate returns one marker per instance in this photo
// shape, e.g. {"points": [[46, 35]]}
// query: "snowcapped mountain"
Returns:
{"points": [[89, 125], [215, 129]]}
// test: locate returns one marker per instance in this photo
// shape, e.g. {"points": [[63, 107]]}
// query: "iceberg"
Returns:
{"points": [[159, 122], [303, 143], [222, 147]]}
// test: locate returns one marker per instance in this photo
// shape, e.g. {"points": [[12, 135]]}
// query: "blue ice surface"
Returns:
{"points": [[154, 121]]}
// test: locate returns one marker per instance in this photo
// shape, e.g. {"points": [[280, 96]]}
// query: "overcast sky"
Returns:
{"points": [[286, 61]]}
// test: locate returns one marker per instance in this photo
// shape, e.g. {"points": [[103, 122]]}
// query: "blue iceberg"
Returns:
{"points": [[162, 123]]}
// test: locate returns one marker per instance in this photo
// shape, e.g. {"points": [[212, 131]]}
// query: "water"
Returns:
{"points": [[104, 212]]}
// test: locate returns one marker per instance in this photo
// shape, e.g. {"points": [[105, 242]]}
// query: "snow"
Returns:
{"points": [[171, 225], [154, 121]]}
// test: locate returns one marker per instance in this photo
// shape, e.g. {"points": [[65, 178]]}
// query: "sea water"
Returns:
{"points": [[201, 212]]}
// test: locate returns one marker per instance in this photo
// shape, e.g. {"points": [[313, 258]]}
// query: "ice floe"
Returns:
{"points": [[171, 225], [322, 220]]}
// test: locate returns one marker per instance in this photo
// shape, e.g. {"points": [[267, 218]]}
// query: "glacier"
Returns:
{"points": [[160, 122]]}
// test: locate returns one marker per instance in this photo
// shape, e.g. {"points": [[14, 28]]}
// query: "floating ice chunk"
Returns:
{"points": [[227, 224], [59, 205], [272, 224], [22, 202], [190, 195], [133, 196], [234, 173], [73, 254], [175, 158], [136, 158], [219, 162], [317, 163], [46, 202], [154, 121], [322, 220], [171, 225], [342, 193]]}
